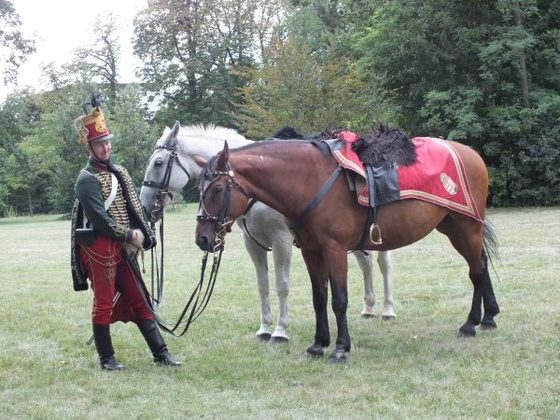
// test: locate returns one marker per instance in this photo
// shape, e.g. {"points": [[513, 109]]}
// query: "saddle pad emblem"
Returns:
{"points": [[448, 184]]}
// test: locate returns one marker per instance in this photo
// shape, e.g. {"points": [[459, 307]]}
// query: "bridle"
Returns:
{"points": [[201, 295], [163, 186], [163, 190], [221, 222]]}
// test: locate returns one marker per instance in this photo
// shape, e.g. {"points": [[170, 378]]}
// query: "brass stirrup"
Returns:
{"points": [[375, 227]]}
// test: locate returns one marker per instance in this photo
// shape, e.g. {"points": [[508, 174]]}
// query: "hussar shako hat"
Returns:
{"points": [[92, 126]]}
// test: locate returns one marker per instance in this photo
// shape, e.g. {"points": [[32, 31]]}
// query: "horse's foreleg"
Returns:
{"points": [[282, 254], [259, 258], [339, 306], [319, 286], [338, 272], [386, 267]]}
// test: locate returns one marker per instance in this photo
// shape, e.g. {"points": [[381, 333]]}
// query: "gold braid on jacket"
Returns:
{"points": [[126, 194]]}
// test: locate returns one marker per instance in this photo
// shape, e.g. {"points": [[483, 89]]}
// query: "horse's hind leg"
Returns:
{"points": [[491, 308], [364, 261], [483, 294], [384, 262], [386, 267], [466, 237]]}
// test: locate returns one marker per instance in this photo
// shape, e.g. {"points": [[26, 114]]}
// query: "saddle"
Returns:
{"points": [[387, 166], [371, 166]]}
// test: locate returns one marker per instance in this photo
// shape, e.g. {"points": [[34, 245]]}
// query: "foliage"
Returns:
{"points": [[483, 73], [189, 51], [134, 137], [14, 48], [99, 62], [306, 91], [482, 76], [18, 118]]}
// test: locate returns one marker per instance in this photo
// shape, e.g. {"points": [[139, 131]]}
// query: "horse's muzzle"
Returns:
{"points": [[205, 243]]}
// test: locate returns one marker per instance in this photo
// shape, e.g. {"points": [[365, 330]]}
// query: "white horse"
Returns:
{"points": [[170, 168]]}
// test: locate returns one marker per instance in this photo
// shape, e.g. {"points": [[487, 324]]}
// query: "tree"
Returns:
{"points": [[134, 137], [479, 72], [18, 117], [99, 62], [190, 50], [14, 48], [310, 92], [308, 80]]}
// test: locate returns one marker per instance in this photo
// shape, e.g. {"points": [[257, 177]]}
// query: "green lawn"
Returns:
{"points": [[412, 367]]}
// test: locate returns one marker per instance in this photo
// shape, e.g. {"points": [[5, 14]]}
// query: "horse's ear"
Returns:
{"points": [[171, 139], [200, 161], [176, 128], [223, 157]]}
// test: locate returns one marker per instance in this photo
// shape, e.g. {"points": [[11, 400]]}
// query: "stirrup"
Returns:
{"points": [[375, 227]]}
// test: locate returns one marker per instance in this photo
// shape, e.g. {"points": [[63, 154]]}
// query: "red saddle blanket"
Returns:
{"points": [[438, 175]]}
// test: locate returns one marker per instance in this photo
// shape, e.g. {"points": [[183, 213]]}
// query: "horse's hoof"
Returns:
{"points": [[278, 340], [315, 351], [337, 356], [367, 315], [264, 336], [467, 331], [388, 317], [488, 324]]}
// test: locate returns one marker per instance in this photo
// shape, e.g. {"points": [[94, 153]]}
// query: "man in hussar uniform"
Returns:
{"points": [[113, 229]]}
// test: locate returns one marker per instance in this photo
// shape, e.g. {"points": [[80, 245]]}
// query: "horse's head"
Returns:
{"points": [[164, 173], [222, 200]]}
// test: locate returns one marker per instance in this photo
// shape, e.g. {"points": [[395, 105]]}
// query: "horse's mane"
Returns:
{"points": [[197, 138], [385, 147], [289, 133], [210, 130]]}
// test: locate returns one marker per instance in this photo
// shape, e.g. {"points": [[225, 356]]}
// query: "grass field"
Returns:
{"points": [[412, 367]]}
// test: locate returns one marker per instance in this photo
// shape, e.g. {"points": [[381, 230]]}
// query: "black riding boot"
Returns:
{"points": [[151, 333], [104, 346]]}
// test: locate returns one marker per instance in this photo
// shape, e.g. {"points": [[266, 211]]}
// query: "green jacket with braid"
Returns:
{"points": [[124, 214]]}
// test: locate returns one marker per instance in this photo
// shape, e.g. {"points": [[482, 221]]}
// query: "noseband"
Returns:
{"points": [[222, 222], [163, 186]]}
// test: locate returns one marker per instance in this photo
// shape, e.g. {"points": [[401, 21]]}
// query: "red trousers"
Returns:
{"points": [[110, 272]]}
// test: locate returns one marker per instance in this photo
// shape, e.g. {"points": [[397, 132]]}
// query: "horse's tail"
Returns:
{"points": [[490, 242]]}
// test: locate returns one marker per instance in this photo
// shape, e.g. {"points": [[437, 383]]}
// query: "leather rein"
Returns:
{"points": [[201, 295], [163, 190], [223, 222]]}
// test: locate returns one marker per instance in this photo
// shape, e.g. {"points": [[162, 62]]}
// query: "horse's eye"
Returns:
{"points": [[217, 190], [158, 162]]}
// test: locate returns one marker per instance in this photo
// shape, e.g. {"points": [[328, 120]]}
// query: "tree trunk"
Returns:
{"points": [[521, 59], [30, 202]]}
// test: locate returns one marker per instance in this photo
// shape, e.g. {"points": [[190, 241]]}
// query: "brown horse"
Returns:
{"points": [[335, 222]]}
